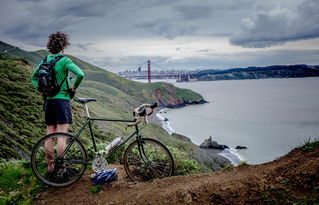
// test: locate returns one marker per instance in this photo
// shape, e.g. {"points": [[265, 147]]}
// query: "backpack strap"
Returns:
{"points": [[56, 59], [45, 59]]}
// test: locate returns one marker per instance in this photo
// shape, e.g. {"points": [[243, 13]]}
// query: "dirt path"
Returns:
{"points": [[294, 177]]}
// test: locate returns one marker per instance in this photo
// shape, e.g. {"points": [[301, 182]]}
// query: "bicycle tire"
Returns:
{"points": [[158, 162], [67, 170]]}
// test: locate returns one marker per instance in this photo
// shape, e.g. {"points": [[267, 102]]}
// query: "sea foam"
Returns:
{"points": [[232, 155], [165, 124]]}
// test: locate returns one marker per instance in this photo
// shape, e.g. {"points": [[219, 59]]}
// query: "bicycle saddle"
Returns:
{"points": [[84, 100]]}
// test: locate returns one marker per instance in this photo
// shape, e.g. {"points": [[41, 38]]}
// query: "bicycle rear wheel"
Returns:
{"points": [[54, 170], [149, 160]]}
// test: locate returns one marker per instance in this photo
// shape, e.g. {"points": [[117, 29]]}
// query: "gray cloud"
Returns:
{"points": [[33, 21], [278, 25], [204, 50], [84, 46], [167, 28], [92, 24], [211, 60], [194, 11]]}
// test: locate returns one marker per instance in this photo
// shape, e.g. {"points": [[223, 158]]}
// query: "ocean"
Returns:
{"points": [[268, 116]]}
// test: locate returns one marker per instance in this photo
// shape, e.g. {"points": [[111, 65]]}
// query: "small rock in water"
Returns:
{"points": [[240, 147]]}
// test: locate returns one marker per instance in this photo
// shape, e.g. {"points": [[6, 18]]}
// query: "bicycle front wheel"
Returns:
{"points": [[148, 159], [50, 167]]}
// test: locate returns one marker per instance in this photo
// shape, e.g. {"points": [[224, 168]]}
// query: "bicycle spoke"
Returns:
{"points": [[53, 169], [154, 161]]}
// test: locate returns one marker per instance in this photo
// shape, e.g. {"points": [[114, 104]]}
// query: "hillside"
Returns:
{"points": [[15, 52], [275, 71], [21, 116], [110, 84], [292, 179]]}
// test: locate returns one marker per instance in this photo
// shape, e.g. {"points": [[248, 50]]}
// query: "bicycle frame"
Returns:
{"points": [[115, 149], [88, 123]]}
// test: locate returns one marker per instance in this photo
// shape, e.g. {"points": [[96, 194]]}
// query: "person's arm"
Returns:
{"points": [[78, 73]]}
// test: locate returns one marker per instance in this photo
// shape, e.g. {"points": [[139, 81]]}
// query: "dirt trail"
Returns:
{"points": [[293, 177]]}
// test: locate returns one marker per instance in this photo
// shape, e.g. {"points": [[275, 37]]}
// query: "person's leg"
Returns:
{"points": [[62, 141], [49, 147]]}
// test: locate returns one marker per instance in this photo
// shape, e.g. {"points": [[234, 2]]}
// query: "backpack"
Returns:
{"points": [[47, 81]]}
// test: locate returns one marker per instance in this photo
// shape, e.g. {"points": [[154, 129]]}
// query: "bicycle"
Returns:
{"points": [[144, 158]]}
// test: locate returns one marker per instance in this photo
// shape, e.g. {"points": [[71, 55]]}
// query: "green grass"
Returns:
{"points": [[310, 145], [228, 167], [17, 182], [96, 189]]}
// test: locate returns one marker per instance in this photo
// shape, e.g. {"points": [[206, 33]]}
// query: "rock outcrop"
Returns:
{"points": [[170, 97], [210, 144]]}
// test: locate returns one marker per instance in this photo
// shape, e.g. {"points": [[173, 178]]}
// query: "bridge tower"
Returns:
{"points": [[149, 71]]}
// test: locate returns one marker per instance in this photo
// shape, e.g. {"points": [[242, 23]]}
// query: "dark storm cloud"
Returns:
{"points": [[278, 25], [36, 19]]}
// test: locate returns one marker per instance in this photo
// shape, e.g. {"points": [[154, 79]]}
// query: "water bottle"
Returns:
{"points": [[114, 143]]}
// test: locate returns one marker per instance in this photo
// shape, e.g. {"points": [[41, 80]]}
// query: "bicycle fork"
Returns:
{"points": [[143, 156]]}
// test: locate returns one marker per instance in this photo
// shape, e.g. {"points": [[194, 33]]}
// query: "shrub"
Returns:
{"points": [[310, 145], [183, 164]]}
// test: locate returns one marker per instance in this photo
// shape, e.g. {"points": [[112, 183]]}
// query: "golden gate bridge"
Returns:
{"points": [[150, 74]]}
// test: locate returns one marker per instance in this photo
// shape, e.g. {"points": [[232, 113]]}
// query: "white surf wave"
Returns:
{"points": [[233, 156], [165, 124]]}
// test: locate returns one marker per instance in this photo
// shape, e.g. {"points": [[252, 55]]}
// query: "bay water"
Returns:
{"points": [[268, 116]]}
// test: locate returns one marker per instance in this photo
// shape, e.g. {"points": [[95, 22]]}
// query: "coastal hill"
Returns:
{"points": [[275, 71], [292, 179], [21, 115], [165, 94]]}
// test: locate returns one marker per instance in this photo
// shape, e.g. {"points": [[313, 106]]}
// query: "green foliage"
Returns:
{"points": [[183, 164], [96, 189], [275, 194], [228, 167], [17, 182], [20, 110], [15, 52], [310, 145], [243, 163]]}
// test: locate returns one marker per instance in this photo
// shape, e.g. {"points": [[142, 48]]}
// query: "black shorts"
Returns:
{"points": [[57, 111]]}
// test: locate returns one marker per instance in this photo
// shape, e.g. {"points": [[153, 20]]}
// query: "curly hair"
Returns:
{"points": [[57, 42]]}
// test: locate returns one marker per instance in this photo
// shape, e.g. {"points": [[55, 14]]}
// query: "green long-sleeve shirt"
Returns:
{"points": [[62, 68]]}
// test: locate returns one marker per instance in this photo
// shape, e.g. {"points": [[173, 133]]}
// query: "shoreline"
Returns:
{"points": [[228, 154]]}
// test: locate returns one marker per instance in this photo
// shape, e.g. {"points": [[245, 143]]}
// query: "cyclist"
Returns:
{"points": [[57, 109]]}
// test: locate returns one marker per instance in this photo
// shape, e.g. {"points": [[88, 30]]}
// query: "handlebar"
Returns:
{"points": [[140, 113]]}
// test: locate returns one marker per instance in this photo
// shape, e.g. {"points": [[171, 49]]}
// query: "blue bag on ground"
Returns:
{"points": [[105, 177]]}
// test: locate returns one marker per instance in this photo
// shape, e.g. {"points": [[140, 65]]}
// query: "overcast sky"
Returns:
{"points": [[181, 34]]}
